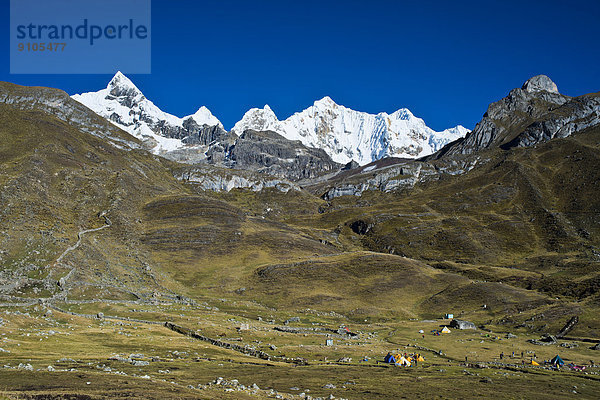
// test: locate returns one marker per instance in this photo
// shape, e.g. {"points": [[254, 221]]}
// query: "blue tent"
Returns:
{"points": [[557, 361], [389, 359]]}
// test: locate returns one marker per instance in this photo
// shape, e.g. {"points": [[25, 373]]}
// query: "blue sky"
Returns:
{"points": [[444, 60]]}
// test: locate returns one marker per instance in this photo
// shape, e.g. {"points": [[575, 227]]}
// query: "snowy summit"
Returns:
{"points": [[347, 135], [344, 134], [123, 103]]}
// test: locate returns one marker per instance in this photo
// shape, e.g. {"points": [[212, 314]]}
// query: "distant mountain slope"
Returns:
{"points": [[85, 212], [200, 138], [348, 135]]}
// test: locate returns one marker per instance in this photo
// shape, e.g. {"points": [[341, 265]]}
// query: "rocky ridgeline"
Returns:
{"points": [[254, 160], [59, 104], [270, 153], [532, 114], [403, 175]]}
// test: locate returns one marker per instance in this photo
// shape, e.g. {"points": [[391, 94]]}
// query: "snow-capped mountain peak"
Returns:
{"points": [[403, 113], [204, 117], [325, 102], [125, 105], [121, 81], [347, 135], [343, 133], [260, 119]]}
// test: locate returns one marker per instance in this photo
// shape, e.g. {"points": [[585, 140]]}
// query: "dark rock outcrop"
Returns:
{"points": [[568, 326], [271, 153]]}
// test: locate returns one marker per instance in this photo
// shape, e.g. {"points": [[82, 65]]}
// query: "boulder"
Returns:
{"points": [[460, 324], [540, 83]]}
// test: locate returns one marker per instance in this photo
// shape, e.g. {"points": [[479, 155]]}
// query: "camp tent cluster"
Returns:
{"points": [[400, 360], [437, 331]]}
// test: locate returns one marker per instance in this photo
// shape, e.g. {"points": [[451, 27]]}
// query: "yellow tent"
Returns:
{"points": [[445, 330], [403, 361], [534, 363], [420, 358]]}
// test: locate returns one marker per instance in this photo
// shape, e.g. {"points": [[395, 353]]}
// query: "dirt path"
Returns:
{"points": [[80, 236]]}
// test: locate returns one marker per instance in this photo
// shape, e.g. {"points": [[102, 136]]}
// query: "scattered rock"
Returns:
{"points": [[293, 319], [26, 367], [569, 345]]}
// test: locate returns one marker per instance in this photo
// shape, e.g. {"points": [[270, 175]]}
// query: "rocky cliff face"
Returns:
{"points": [[272, 154], [576, 115], [534, 113], [391, 175], [217, 179]]}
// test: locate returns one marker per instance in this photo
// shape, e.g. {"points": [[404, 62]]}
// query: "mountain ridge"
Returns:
{"points": [[344, 134], [348, 135]]}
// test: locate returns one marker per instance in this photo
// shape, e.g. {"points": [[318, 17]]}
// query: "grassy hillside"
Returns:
{"points": [[89, 227]]}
